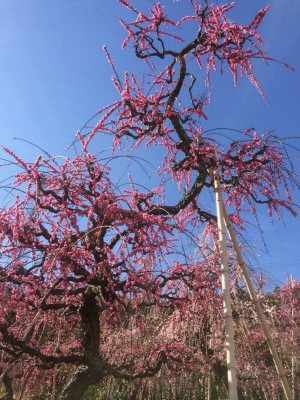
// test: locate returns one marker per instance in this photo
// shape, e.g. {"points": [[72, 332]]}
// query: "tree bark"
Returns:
{"points": [[90, 323], [92, 372], [9, 395], [79, 383]]}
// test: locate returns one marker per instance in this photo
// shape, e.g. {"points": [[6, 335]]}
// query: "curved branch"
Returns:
{"points": [[188, 197]]}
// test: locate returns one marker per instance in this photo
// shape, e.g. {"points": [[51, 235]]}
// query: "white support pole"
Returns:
{"points": [[230, 353], [293, 356], [262, 318]]}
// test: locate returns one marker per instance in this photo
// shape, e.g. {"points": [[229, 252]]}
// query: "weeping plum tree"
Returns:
{"points": [[97, 277], [281, 306]]}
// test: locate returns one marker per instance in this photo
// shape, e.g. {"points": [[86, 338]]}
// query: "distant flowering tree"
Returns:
{"points": [[94, 283]]}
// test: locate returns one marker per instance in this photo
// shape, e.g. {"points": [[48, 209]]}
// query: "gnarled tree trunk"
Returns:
{"points": [[92, 372]]}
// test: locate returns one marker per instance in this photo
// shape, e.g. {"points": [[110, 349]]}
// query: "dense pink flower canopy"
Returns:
{"points": [[95, 275]]}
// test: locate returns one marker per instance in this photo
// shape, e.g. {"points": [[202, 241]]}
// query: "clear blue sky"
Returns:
{"points": [[54, 76]]}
